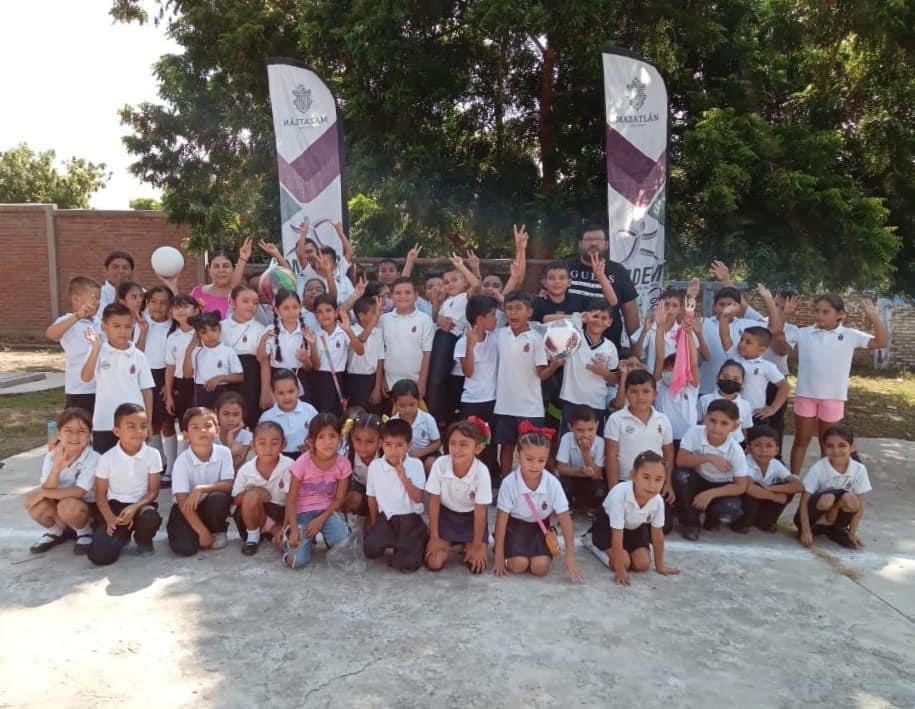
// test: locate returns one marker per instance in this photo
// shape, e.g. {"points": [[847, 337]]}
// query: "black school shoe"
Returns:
{"points": [[82, 549], [49, 541], [691, 533], [249, 548], [711, 524], [840, 536], [145, 550], [739, 527]]}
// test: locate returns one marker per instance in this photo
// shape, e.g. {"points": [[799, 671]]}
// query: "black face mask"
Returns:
{"points": [[729, 386]]}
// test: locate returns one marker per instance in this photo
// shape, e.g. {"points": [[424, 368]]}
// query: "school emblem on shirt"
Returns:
{"points": [[527, 346], [133, 369], [244, 338], [660, 429], [219, 364], [473, 495], [756, 372], [281, 484], [630, 429], [338, 344], [841, 337], [104, 364], [544, 506]]}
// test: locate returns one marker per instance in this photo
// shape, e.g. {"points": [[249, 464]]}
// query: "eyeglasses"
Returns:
{"points": [[593, 239]]}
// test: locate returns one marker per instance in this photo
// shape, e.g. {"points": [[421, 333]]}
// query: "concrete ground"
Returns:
{"points": [[754, 621]]}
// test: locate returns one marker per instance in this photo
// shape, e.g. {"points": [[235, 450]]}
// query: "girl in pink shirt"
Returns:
{"points": [[317, 489]]}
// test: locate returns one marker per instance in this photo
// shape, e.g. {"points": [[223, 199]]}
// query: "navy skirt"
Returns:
{"points": [[457, 527], [524, 539]]}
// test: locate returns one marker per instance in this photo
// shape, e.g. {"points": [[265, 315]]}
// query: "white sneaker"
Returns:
{"points": [[219, 540]]}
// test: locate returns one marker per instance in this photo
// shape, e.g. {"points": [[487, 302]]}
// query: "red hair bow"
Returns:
{"points": [[527, 427], [482, 426]]}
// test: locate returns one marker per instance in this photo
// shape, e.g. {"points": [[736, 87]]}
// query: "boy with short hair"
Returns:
{"points": [[364, 372], [70, 331], [407, 335], [711, 471], [202, 479], [580, 459], [522, 366], [587, 372], [126, 488], [394, 488], [557, 303], [118, 268], [771, 484], [121, 372], [728, 305]]}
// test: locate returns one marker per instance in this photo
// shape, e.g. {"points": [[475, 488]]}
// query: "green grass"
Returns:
{"points": [[24, 419]]}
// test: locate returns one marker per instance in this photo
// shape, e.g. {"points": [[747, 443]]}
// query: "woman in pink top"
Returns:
{"points": [[224, 276], [317, 490]]}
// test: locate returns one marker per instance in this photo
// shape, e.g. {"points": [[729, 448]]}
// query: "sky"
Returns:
{"points": [[65, 69]]}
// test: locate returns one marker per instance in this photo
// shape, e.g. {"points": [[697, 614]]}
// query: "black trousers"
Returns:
{"points": [[441, 362], [762, 513], [106, 548], [585, 493], [203, 397], [359, 389], [103, 441], [776, 420], [250, 389], [489, 456], [86, 402], [405, 534], [213, 511], [687, 484], [324, 395]]}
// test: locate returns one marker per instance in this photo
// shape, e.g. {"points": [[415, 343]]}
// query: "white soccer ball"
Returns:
{"points": [[561, 339], [167, 261]]}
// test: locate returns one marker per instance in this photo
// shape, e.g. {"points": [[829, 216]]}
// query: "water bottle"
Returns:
{"points": [[52, 431]]}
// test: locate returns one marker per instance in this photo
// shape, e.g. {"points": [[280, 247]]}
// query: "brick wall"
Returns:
{"points": [[82, 240]]}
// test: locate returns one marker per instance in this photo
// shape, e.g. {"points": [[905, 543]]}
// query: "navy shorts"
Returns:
{"points": [[506, 433]]}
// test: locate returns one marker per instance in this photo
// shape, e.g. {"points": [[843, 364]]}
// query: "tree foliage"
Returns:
{"points": [[33, 177], [145, 203], [793, 124]]}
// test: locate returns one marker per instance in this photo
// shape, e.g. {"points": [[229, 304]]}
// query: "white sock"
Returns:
{"points": [[170, 449], [56, 530], [254, 535], [87, 530], [182, 445], [155, 441]]}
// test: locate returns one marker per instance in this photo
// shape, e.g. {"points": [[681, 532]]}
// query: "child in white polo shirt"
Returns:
{"points": [[522, 366], [680, 407], [460, 492], [242, 333], [587, 372], [711, 471], [289, 344], [118, 268], [201, 483], [260, 489], [69, 330], [771, 485], [407, 334], [291, 413], [179, 386], [230, 414], [834, 489], [527, 499], [394, 489], [363, 371], [335, 340], [426, 440], [580, 460], [126, 488], [120, 370], [819, 401], [213, 364], [363, 444], [631, 521], [729, 386]]}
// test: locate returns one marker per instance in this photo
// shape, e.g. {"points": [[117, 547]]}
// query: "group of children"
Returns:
{"points": [[387, 406]]}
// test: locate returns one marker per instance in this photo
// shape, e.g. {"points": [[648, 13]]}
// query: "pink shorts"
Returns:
{"points": [[828, 410]]}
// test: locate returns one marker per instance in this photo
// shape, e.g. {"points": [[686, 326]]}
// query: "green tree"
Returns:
{"points": [[29, 176], [792, 124], [141, 203]]}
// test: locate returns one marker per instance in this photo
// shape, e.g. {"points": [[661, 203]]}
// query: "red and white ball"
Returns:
{"points": [[561, 339]]}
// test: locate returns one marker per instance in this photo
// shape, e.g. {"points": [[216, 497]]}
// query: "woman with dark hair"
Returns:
{"points": [[224, 276]]}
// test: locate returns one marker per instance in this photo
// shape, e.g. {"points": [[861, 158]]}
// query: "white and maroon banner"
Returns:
{"points": [[309, 154], [637, 126]]}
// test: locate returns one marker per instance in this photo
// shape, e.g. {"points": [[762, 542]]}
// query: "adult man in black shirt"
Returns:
{"points": [[593, 240]]}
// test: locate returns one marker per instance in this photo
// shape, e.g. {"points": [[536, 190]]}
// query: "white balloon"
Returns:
{"points": [[167, 261]]}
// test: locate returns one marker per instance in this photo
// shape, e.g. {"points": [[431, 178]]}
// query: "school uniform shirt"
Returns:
{"points": [[823, 477], [290, 342], [569, 451], [218, 361], [649, 349], [333, 348], [570, 304], [455, 307], [460, 494], [243, 438], [680, 408], [156, 339], [625, 513], [425, 429], [518, 390], [781, 361], [294, 423], [579, 384], [743, 406], [276, 484], [128, 475], [80, 473], [423, 306], [76, 348], [481, 386], [318, 487], [107, 296], [635, 436], [188, 471], [824, 361], [120, 378], [547, 498], [776, 472], [708, 369], [242, 337], [366, 363], [390, 495], [758, 374], [406, 338], [697, 442], [176, 345], [309, 318], [360, 470]]}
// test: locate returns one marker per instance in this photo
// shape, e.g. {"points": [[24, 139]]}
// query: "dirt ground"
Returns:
{"points": [[752, 621]]}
